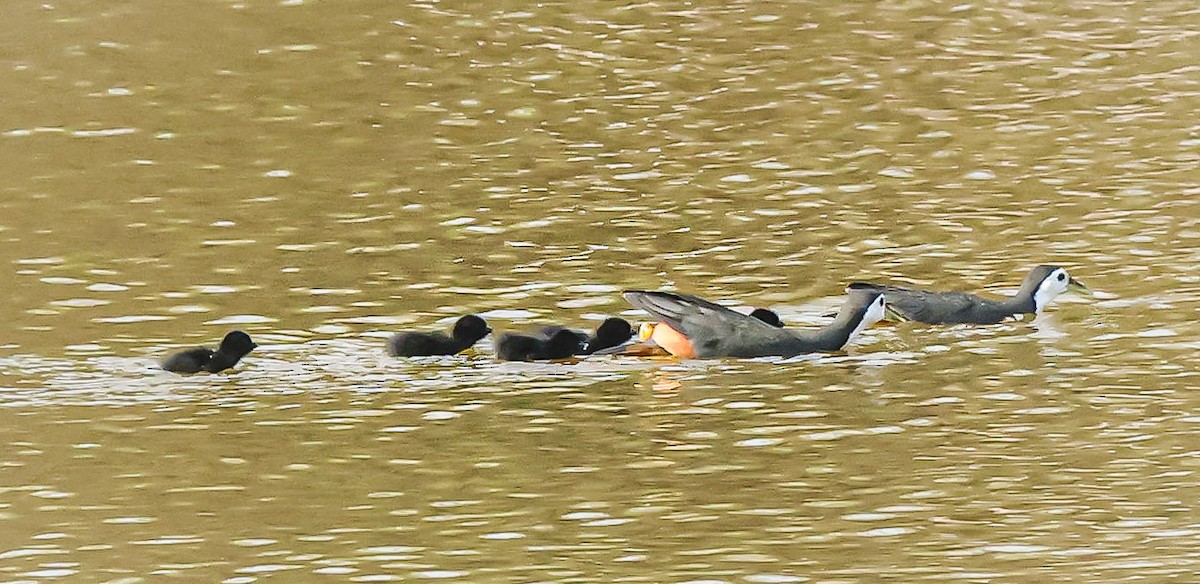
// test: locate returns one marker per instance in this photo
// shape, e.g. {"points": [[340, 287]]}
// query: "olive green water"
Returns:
{"points": [[321, 174]]}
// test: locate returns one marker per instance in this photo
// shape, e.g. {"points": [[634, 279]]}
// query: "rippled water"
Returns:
{"points": [[323, 174]]}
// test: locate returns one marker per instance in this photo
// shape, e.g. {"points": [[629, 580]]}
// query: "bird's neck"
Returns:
{"points": [[1022, 303], [837, 334]]}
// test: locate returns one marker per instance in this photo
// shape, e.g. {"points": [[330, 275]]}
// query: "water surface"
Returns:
{"points": [[322, 175]]}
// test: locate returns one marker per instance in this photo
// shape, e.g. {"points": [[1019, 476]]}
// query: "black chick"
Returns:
{"points": [[559, 344], [768, 316], [610, 333], [466, 332], [234, 346]]}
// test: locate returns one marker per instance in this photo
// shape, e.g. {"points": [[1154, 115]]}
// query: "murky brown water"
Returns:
{"points": [[322, 174]]}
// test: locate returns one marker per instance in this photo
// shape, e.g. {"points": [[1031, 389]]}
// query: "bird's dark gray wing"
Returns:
{"points": [[938, 307], [715, 331]]}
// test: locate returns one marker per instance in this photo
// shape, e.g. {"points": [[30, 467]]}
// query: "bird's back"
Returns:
{"points": [[515, 347], [188, 361], [413, 344], [561, 343], [932, 307]]}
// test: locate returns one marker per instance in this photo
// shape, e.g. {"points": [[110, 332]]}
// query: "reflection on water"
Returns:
{"points": [[323, 175], [907, 462], [470, 469]]}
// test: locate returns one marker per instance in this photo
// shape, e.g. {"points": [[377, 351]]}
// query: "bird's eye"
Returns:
{"points": [[1061, 276]]}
